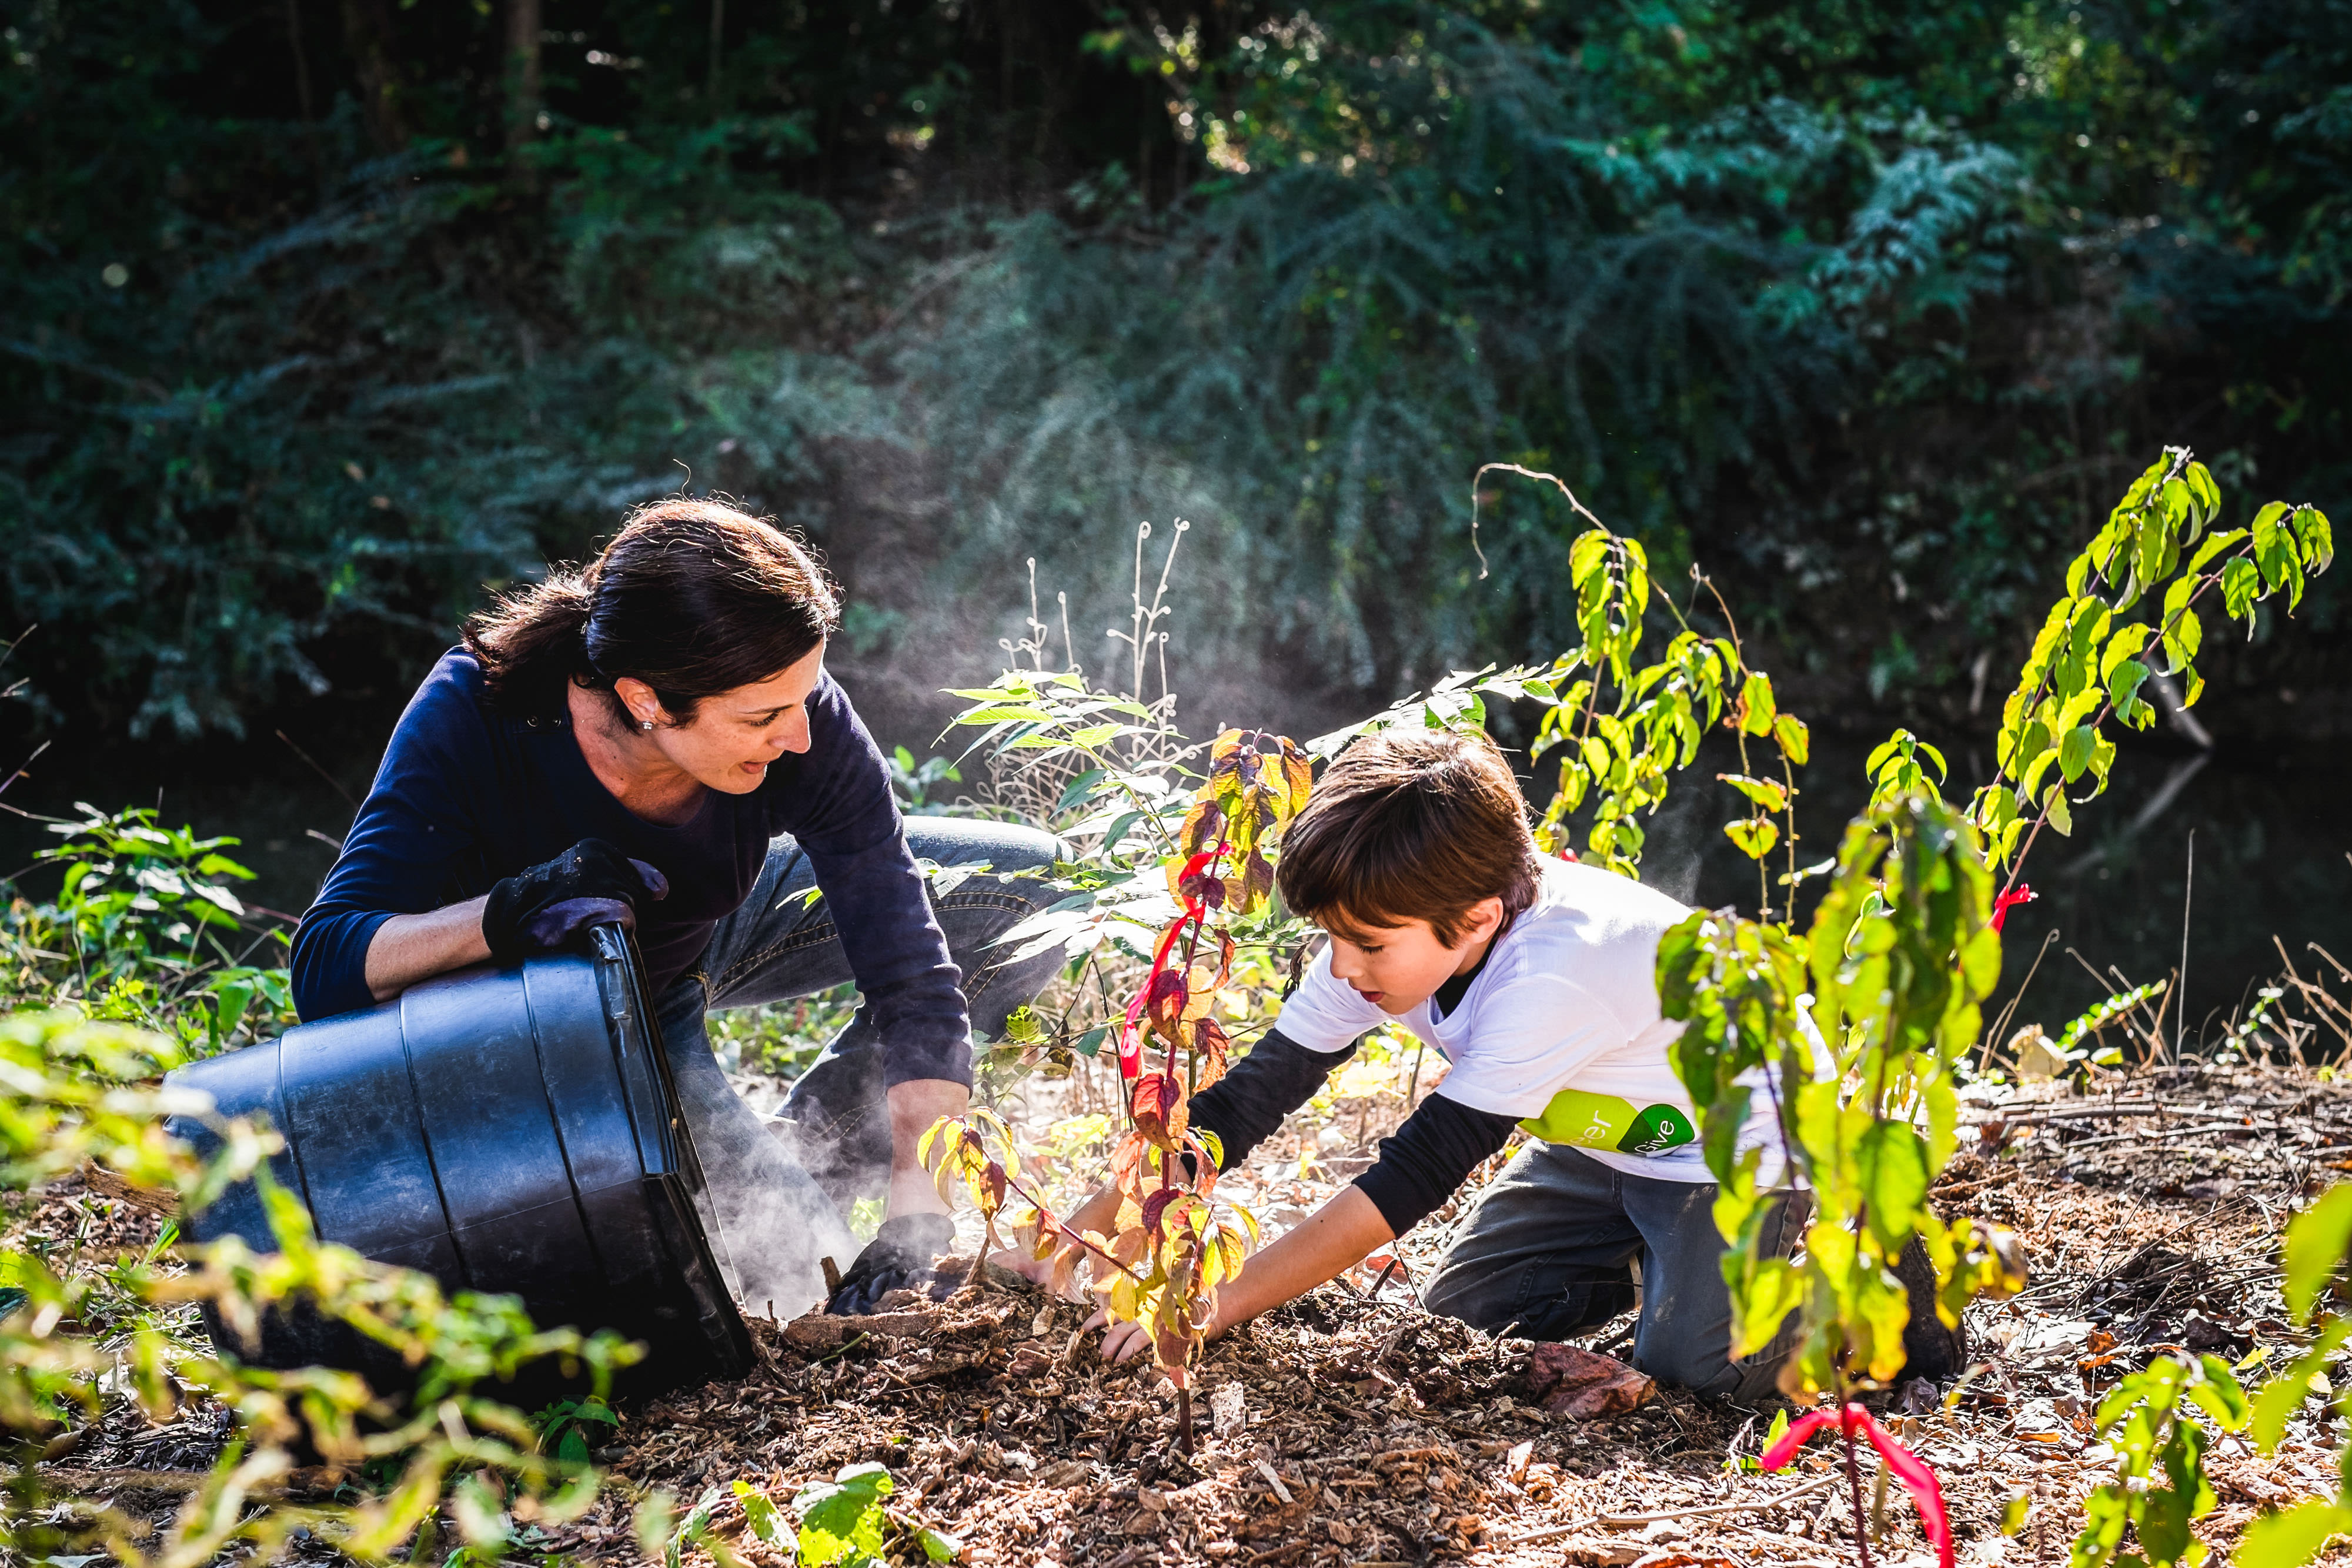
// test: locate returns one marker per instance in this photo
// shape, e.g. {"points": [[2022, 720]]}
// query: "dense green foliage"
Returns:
{"points": [[312, 329]]}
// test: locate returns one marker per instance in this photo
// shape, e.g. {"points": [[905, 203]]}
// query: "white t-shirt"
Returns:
{"points": [[1561, 1029]]}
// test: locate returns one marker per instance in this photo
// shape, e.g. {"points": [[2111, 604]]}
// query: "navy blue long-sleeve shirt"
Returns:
{"points": [[467, 796]]}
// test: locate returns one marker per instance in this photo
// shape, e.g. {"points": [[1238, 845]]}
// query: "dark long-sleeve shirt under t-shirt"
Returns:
{"points": [[467, 796], [1418, 1169]]}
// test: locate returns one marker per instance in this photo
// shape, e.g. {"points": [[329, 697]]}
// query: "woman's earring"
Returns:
{"points": [[645, 723]]}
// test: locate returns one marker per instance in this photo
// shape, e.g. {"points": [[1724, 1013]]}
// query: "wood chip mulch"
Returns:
{"points": [[1343, 1430]]}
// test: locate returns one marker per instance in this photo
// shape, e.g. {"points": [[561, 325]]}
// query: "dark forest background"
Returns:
{"points": [[319, 316]]}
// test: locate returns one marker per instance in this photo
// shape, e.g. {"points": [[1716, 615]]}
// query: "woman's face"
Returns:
{"points": [[734, 736]]}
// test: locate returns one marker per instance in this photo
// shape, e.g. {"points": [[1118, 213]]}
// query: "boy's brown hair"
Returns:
{"points": [[1410, 824]]}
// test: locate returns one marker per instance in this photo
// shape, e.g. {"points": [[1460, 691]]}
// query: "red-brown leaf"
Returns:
{"points": [[1158, 1108], [1209, 1038], [1203, 824], [1156, 1204], [1254, 884], [1164, 999]]}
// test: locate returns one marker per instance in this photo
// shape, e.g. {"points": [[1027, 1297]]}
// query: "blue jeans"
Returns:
{"points": [[782, 1190], [1551, 1249]]}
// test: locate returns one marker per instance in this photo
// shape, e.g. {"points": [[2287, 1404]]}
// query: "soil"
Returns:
{"points": [[1351, 1428]]}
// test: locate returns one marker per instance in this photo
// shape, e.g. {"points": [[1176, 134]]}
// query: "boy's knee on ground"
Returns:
{"points": [[1492, 1301], [1708, 1370], [1711, 1375], [1456, 1293]]}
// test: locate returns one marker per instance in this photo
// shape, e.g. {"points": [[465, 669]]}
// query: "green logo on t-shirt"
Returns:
{"points": [[1607, 1121]]}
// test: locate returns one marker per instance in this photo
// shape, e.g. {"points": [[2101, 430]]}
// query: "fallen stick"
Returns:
{"points": [[1620, 1521], [2167, 1132], [302, 1480], [2034, 1115], [107, 1184]]}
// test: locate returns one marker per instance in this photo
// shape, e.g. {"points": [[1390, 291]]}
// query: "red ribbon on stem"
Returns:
{"points": [[1909, 1469], [1130, 1034], [2002, 903]]}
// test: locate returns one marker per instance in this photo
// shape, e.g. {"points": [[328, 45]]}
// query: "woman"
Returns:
{"points": [[654, 738]]}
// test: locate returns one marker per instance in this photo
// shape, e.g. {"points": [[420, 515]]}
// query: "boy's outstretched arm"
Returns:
{"points": [[1428, 1159], [1324, 1245], [1243, 1108]]}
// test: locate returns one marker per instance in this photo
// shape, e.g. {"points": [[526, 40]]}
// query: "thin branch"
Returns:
{"points": [[1551, 479]]}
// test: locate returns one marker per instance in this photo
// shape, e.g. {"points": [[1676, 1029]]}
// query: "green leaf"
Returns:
{"points": [[1007, 713], [1771, 1293], [1892, 1161], [2031, 744], [2164, 1517], [2125, 644], [762, 1515], [2214, 545], [1756, 708], [2317, 1243], [1588, 555], [2280, 1398], [655, 1523], [2074, 751], [2182, 637], [2061, 816], [231, 998], [2124, 683], [1766, 792], [2291, 1537], [2317, 537], [2149, 549], [841, 1520], [2219, 1394], [1755, 836], [939, 1545], [1795, 742], [2201, 483], [2242, 584]]}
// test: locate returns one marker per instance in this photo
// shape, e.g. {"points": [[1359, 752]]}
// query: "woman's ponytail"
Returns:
{"points": [[532, 643]]}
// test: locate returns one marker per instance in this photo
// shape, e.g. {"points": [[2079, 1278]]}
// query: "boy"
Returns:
{"points": [[1535, 977]]}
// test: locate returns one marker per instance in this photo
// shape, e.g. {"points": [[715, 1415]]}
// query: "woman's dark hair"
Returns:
{"points": [[693, 598]]}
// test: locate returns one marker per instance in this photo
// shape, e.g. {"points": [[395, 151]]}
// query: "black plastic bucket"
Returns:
{"points": [[511, 1131]]}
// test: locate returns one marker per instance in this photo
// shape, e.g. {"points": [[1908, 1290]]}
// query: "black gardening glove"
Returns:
{"points": [[902, 1254], [541, 909]]}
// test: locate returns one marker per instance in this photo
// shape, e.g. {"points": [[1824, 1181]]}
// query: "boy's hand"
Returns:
{"points": [[1125, 1342], [1333, 1239], [1122, 1341]]}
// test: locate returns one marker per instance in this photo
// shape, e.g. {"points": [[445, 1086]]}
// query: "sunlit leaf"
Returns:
{"points": [[2292, 1536], [2317, 1242]]}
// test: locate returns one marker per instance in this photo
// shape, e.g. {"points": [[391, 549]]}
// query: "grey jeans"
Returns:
{"points": [[1550, 1247], [782, 1190]]}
